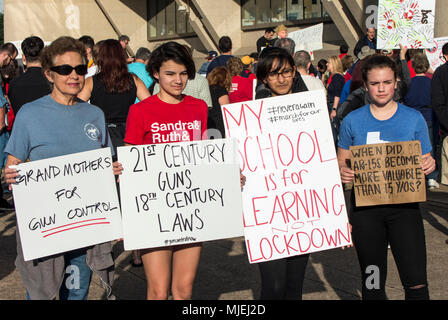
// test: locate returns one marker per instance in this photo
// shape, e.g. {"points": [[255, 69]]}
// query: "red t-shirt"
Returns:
{"points": [[153, 121], [242, 89]]}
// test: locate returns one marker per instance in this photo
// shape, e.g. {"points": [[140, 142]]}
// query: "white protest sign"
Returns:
{"points": [[293, 200], [435, 56], [308, 39], [406, 22], [66, 203], [180, 193]]}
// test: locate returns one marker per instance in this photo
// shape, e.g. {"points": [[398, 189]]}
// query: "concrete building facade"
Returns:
{"points": [[198, 23]]}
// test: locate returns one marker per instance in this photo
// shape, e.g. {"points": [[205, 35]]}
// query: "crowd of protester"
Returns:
{"points": [[71, 81]]}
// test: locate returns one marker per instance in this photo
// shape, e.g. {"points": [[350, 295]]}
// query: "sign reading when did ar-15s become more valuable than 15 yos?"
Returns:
{"points": [[388, 173]]}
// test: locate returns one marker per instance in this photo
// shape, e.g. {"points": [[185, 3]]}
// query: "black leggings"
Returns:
{"points": [[282, 279], [401, 226]]}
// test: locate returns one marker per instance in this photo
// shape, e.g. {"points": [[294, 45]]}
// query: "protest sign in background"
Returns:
{"points": [[406, 22], [308, 39], [388, 173], [434, 54], [293, 200], [65, 203], [180, 193]]}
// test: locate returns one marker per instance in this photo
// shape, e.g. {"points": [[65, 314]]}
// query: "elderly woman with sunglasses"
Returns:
{"points": [[52, 126]]}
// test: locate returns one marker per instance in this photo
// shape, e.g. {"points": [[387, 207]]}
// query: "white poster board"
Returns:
{"points": [[180, 193], [434, 54], [293, 200], [406, 22], [65, 203], [308, 39]]}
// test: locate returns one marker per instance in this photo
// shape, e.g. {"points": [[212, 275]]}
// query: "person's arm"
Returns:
{"points": [[2, 117], [428, 163], [439, 99], [223, 100], [335, 107], [142, 90], [86, 92]]}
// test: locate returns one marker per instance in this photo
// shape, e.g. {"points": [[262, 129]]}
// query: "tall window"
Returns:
{"points": [[265, 12], [166, 19]]}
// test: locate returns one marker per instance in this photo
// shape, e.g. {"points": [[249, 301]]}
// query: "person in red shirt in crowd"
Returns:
{"points": [[242, 88], [247, 67], [149, 122], [343, 49]]}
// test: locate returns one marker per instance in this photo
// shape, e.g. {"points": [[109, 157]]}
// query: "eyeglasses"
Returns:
{"points": [[65, 69], [287, 73]]}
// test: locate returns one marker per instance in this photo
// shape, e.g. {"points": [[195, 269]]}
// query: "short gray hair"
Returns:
{"points": [[301, 59], [143, 54], [286, 43]]}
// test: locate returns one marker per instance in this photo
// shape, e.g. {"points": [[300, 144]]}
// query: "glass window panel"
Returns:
{"points": [[263, 11], [181, 20], [152, 18], [248, 12], [295, 10], [161, 21], [170, 18], [278, 10]]}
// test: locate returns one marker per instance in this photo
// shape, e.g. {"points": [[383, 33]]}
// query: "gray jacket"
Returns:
{"points": [[43, 277]]}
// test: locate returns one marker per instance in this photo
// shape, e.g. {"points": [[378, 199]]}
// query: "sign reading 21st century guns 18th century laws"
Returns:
{"points": [[388, 173], [180, 193], [293, 200], [65, 203]]}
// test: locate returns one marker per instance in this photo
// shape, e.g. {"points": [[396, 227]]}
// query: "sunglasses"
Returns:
{"points": [[66, 69]]}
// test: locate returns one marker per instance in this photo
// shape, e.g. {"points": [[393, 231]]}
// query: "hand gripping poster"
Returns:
{"points": [[406, 22], [293, 201]]}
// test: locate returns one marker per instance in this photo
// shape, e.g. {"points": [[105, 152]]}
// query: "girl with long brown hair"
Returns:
{"points": [[113, 89]]}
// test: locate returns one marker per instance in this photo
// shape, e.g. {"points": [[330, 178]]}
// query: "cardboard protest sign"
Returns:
{"points": [[388, 173], [65, 203], [180, 193], [434, 54], [406, 22], [293, 200], [309, 39]]}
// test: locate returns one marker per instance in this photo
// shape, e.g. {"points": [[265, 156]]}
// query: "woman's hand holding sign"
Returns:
{"points": [[11, 172]]}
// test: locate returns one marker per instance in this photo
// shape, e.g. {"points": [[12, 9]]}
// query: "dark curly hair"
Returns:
{"points": [[60, 46]]}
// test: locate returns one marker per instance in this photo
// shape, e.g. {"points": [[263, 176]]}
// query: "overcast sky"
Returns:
{"points": [[1, 5]]}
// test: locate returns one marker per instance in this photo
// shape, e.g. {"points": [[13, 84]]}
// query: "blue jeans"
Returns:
{"points": [[75, 285], [77, 277]]}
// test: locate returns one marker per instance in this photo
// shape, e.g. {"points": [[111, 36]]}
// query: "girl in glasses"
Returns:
{"points": [[55, 125], [283, 278]]}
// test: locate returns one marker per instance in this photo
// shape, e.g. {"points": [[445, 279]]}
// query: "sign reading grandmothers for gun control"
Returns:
{"points": [[65, 203], [180, 193], [293, 199], [388, 173]]}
